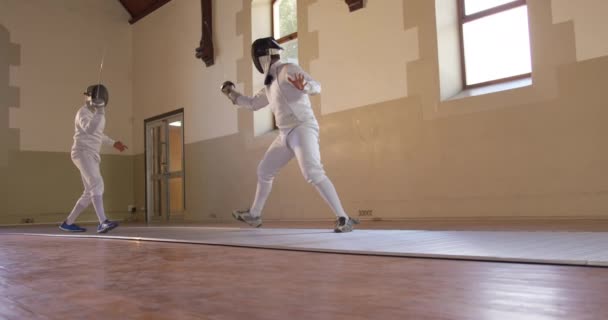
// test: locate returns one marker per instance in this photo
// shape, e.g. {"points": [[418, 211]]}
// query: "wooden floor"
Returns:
{"points": [[63, 278]]}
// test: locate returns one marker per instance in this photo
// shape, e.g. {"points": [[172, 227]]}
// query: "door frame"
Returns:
{"points": [[152, 119]]}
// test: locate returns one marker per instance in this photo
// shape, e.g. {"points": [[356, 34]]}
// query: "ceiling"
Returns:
{"points": [[141, 8]]}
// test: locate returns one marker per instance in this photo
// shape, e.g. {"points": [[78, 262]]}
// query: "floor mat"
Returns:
{"points": [[569, 248]]}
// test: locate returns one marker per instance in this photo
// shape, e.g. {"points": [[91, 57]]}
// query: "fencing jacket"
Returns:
{"points": [[88, 134], [291, 107]]}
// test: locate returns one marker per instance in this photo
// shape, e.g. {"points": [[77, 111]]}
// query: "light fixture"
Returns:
{"points": [[176, 124]]}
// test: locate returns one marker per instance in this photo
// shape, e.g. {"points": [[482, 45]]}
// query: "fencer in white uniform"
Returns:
{"points": [[88, 138], [286, 92]]}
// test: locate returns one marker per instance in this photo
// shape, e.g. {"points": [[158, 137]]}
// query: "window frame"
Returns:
{"points": [[464, 18], [283, 39]]}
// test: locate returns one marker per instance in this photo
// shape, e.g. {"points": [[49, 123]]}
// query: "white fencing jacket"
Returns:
{"points": [[89, 126], [291, 107]]}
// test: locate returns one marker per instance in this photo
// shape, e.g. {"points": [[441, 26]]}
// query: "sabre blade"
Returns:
{"points": [[103, 56]]}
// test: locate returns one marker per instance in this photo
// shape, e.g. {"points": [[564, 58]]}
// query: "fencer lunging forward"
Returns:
{"points": [[88, 138], [286, 92]]}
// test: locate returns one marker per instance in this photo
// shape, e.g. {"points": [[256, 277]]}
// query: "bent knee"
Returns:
{"points": [[97, 189], [265, 175], [314, 176]]}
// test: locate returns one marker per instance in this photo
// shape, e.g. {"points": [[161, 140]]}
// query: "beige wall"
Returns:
{"points": [[61, 45], [535, 151], [167, 76], [388, 140], [45, 185], [590, 25], [50, 52], [355, 49]]}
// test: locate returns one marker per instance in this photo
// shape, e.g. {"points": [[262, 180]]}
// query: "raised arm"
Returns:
{"points": [[89, 122], [302, 80]]}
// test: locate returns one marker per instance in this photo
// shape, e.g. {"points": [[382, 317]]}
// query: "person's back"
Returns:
{"points": [[88, 130]]}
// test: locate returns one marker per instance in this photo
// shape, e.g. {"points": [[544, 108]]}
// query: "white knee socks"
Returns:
{"points": [[98, 205], [329, 194], [261, 194], [81, 204], [325, 188]]}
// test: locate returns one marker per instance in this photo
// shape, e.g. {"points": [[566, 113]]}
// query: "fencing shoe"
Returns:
{"points": [[245, 216], [345, 224]]}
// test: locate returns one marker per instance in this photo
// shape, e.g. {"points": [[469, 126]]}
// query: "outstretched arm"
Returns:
{"points": [[107, 140], [252, 103], [118, 145]]}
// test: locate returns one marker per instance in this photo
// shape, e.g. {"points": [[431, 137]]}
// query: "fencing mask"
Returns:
{"points": [[98, 94], [262, 51]]}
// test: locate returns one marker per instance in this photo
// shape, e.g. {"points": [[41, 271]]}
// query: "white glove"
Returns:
{"points": [[228, 89]]}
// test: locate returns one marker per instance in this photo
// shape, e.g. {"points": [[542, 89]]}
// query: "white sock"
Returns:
{"points": [[98, 205], [261, 194], [329, 194], [81, 204]]}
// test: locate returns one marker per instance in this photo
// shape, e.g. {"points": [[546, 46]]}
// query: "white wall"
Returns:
{"points": [[359, 48], [590, 25], [61, 44], [167, 76]]}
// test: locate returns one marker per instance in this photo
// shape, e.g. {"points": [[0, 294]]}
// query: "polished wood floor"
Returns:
{"points": [[63, 278]]}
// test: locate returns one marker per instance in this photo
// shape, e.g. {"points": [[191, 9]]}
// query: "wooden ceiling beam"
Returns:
{"points": [[140, 9]]}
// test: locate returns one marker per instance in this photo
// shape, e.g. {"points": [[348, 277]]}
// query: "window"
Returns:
{"points": [[495, 41], [285, 27]]}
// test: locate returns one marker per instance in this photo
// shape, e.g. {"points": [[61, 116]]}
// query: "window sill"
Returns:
{"points": [[509, 85]]}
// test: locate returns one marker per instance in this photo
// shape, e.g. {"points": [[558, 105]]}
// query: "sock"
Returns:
{"points": [[98, 205], [261, 194], [81, 204], [329, 194]]}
